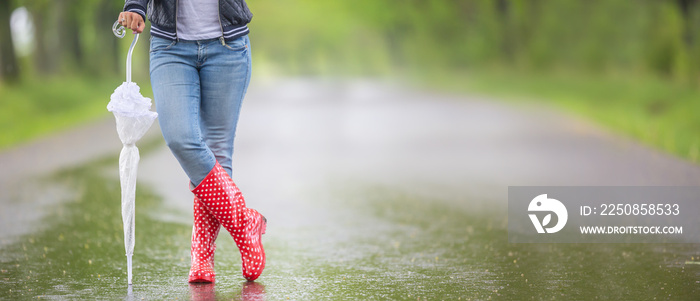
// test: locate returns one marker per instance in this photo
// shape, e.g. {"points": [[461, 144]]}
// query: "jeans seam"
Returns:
{"points": [[247, 77]]}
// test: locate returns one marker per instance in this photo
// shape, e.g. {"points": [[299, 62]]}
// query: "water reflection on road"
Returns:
{"points": [[372, 191]]}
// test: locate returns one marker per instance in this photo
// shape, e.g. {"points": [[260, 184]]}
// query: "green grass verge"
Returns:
{"points": [[657, 112], [35, 107]]}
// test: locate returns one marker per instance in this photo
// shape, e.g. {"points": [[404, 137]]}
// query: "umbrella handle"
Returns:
{"points": [[120, 31], [128, 58]]}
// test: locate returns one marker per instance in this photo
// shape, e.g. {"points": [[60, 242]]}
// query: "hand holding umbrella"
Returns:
{"points": [[133, 116]]}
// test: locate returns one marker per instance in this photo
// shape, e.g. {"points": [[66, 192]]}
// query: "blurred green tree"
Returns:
{"points": [[9, 71]]}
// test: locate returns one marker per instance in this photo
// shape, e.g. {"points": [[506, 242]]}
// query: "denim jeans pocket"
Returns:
{"points": [[239, 44], [160, 44]]}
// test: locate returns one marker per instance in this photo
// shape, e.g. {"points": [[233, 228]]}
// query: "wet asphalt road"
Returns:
{"points": [[372, 191]]}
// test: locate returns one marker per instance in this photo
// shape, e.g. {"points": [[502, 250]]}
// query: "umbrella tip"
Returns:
{"points": [[128, 267]]}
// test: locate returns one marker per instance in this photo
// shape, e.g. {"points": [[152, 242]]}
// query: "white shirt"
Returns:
{"points": [[198, 19]]}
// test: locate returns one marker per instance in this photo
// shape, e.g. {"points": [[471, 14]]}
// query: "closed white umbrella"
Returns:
{"points": [[134, 117]]}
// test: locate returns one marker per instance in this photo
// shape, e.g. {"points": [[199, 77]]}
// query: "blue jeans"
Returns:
{"points": [[198, 88]]}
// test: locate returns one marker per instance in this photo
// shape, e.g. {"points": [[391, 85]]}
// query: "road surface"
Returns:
{"points": [[372, 190]]}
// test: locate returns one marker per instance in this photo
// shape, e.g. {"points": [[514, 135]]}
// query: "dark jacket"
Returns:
{"points": [[234, 16]]}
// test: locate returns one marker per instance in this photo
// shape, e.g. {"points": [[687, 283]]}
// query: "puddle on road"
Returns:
{"points": [[433, 250], [374, 243], [79, 254]]}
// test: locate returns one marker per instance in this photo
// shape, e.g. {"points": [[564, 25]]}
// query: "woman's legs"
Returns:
{"points": [[199, 88], [224, 78], [176, 88]]}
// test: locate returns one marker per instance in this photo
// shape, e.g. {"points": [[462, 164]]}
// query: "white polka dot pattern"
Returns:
{"points": [[224, 200], [205, 229]]}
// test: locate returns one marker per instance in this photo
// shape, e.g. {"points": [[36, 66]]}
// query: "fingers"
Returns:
{"points": [[132, 21], [142, 26], [121, 18], [134, 24]]}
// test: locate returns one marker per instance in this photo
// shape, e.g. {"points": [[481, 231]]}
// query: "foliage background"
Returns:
{"points": [[632, 65]]}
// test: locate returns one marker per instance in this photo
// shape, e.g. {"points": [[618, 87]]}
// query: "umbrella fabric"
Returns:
{"points": [[133, 117]]}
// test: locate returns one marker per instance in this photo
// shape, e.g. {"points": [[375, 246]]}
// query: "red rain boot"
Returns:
{"points": [[223, 199], [204, 232]]}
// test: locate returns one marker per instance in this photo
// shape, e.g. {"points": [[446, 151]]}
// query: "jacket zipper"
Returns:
{"points": [[177, 3], [218, 11]]}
